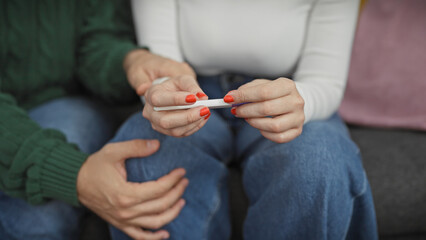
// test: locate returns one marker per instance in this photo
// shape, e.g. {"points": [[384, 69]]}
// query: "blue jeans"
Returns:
{"points": [[313, 187], [85, 124]]}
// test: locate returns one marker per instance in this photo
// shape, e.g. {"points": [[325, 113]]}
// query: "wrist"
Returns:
{"points": [[79, 183]]}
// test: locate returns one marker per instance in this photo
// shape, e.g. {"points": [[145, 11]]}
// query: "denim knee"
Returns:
{"points": [[215, 138], [306, 187], [206, 173], [322, 156]]}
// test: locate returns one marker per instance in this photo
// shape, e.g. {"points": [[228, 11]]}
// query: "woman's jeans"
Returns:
{"points": [[313, 187], [84, 123]]}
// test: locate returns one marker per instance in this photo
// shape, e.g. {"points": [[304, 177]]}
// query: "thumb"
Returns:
{"points": [[188, 83], [132, 149]]}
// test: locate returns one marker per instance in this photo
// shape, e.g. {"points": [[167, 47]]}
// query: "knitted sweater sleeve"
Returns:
{"points": [[321, 74], [35, 164], [105, 38]]}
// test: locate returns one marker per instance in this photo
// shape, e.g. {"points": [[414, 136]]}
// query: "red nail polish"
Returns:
{"points": [[207, 117], [200, 95], [228, 98], [234, 111], [204, 111], [190, 98]]}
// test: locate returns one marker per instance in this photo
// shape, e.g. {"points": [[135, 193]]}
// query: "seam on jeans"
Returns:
{"points": [[364, 185], [363, 191], [348, 224], [213, 212]]}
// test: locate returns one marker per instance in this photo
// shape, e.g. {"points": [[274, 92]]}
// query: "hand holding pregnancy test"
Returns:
{"points": [[211, 103], [176, 91]]}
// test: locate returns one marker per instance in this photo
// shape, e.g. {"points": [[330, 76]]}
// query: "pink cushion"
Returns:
{"points": [[387, 77]]}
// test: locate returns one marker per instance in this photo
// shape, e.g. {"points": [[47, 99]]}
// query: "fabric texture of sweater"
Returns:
{"points": [[51, 49]]}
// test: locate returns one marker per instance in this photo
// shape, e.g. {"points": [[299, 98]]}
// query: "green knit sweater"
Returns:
{"points": [[51, 49]]}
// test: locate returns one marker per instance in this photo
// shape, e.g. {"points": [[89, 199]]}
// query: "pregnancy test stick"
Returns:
{"points": [[212, 103]]}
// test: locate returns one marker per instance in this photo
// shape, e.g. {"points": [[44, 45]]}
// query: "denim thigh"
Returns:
{"points": [[84, 123], [304, 189], [202, 155], [313, 187]]}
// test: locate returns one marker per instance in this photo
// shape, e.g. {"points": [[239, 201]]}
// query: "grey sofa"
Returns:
{"points": [[395, 161]]}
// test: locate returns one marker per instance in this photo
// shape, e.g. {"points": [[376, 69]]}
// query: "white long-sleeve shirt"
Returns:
{"points": [[310, 40]]}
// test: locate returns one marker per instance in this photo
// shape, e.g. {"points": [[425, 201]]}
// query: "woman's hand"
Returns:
{"points": [[143, 67], [182, 90], [274, 107], [131, 207]]}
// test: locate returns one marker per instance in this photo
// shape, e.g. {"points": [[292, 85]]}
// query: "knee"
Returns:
{"points": [[175, 153], [329, 165], [193, 153], [136, 127]]}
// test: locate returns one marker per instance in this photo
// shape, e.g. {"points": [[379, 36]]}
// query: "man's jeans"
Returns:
{"points": [[313, 187], [85, 124]]}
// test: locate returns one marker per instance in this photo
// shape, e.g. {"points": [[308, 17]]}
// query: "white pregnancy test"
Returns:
{"points": [[212, 103]]}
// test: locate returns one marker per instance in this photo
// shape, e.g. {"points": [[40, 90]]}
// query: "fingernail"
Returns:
{"points": [[204, 111], [151, 143], [182, 171], [200, 95], [207, 117], [182, 202], [190, 98], [186, 182], [165, 235], [228, 98], [234, 111]]}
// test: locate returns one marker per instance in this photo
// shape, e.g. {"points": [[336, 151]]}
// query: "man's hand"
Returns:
{"points": [[131, 207], [143, 67]]}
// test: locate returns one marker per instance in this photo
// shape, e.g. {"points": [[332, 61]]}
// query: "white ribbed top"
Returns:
{"points": [[307, 40]]}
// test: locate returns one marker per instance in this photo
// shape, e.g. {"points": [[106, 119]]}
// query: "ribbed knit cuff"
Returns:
{"points": [[58, 174]]}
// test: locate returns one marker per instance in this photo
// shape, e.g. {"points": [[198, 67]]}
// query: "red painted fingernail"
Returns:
{"points": [[204, 111], [207, 117], [200, 95], [228, 98], [234, 111], [190, 98]]}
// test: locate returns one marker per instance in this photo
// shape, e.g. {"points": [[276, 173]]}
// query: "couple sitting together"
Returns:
{"points": [[163, 174]]}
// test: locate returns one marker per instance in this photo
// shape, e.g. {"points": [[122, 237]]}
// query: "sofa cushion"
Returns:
{"points": [[386, 85], [395, 161]]}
